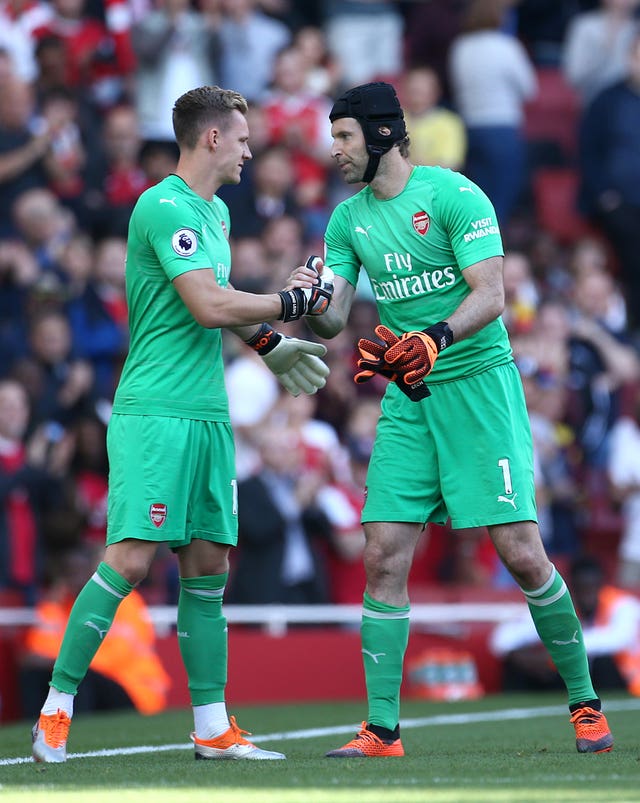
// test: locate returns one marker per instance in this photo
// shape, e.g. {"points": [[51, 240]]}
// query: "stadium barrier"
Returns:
{"points": [[304, 652]]}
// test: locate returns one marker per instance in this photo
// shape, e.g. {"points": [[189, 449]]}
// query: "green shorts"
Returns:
{"points": [[464, 453], [171, 480]]}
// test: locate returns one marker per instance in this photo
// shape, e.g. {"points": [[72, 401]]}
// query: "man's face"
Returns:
{"points": [[233, 148], [14, 411], [349, 149]]}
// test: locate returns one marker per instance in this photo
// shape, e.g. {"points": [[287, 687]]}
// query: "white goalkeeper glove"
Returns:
{"points": [[296, 363]]}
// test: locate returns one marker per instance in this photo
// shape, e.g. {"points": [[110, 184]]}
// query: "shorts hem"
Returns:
{"points": [[204, 535], [514, 518], [158, 538]]}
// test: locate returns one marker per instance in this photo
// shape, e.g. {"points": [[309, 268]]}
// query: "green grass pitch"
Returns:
{"points": [[500, 749]]}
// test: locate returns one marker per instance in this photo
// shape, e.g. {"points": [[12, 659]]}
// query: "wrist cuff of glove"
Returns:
{"points": [[293, 306], [264, 340], [441, 335]]}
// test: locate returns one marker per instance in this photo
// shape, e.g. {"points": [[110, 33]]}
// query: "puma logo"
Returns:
{"points": [[171, 201], [511, 501], [360, 230], [94, 626], [374, 655], [572, 640]]}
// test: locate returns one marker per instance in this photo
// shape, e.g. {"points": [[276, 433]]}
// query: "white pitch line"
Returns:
{"points": [[312, 733]]}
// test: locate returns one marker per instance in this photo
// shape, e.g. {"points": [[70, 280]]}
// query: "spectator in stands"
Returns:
{"points": [[597, 45], [283, 239], [558, 494], [341, 498], [430, 28], [249, 264], [65, 160], [158, 160], [250, 41], [60, 386], [87, 475], [576, 347], [98, 316], [610, 621], [125, 672], [438, 135], [18, 20], [297, 119], [176, 48], [51, 58], [322, 71], [601, 364], [542, 26], [521, 293], [365, 37], [23, 144], [492, 77], [610, 169], [278, 520], [29, 484], [45, 226], [624, 475], [593, 255], [99, 56], [123, 177], [268, 194], [19, 272]]}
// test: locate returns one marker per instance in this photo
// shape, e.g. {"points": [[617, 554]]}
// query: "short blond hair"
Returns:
{"points": [[199, 108]]}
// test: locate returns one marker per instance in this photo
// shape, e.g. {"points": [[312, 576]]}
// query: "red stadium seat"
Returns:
{"points": [[555, 192], [552, 116]]}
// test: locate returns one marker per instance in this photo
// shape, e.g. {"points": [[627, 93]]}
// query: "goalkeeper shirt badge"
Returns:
{"points": [[158, 514], [421, 222], [185, 242]]}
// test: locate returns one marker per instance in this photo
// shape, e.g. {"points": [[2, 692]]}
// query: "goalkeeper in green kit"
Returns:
{"points": [[459, 448], [170, 444]]}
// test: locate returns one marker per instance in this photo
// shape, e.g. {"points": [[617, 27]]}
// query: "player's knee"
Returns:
{"points": [[529, 569]]}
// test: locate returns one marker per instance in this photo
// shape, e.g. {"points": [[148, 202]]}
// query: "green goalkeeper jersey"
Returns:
{"points": [[174, 366], [414, 248]]}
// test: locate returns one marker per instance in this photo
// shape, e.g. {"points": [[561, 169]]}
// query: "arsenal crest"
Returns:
{"points": [[421, 222], [158, 514]]}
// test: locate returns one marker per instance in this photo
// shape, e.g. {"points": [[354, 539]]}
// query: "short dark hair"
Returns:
{"points": [[199, 108]]}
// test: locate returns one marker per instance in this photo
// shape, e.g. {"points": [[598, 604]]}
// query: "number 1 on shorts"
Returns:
{"points": [[506, 475]]}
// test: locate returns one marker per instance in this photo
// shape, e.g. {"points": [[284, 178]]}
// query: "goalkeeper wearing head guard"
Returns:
{"points": [[429, 242], [171, 450]]}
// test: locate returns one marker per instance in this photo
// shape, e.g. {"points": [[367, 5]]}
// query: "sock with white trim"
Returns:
{"points": [[202, 637], [385, 635], [559, 629], [89, 621]]}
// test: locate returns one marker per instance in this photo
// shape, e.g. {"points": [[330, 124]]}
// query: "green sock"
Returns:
{"points": [[202, 636], [385, 634], [90, 619], [559, 629]]}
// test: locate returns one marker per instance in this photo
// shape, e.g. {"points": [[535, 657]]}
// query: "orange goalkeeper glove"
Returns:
{"points": [[372, 362], [415, 353]]}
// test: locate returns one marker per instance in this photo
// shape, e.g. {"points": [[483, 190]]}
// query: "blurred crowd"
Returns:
{"points": [[86, 92]]}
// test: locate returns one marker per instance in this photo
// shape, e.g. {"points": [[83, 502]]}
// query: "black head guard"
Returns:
{"points": [[377, 108]]}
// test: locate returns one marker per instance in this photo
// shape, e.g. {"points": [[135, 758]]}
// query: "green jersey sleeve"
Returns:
{"points": [[177, 243], [469, 218], [339, 252]]}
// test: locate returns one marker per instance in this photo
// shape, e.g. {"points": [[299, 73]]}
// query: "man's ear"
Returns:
{"points": [[212, 137]]}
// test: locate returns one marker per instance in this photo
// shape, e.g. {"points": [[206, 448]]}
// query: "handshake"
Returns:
{"points": [[312, 300]]}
